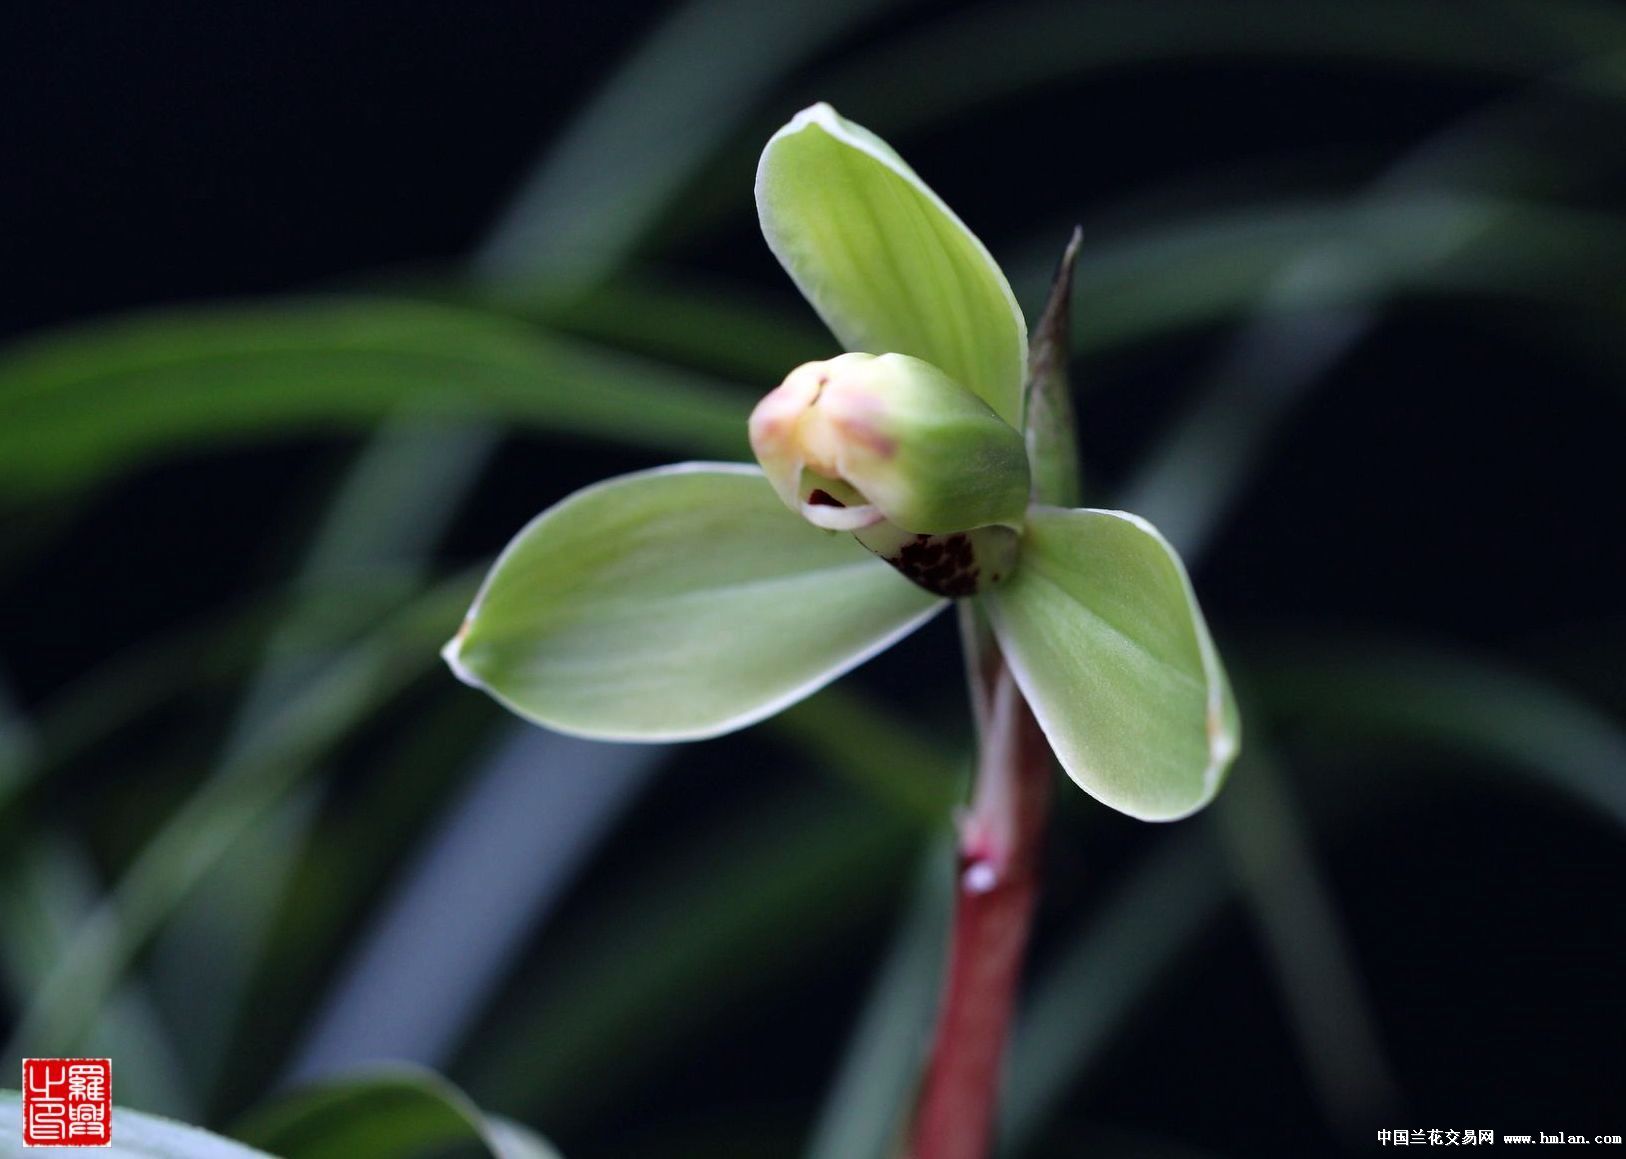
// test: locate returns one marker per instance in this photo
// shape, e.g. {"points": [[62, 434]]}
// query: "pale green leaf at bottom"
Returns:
{"points": [[1105, 639], [674, 604], [135, 1135], [391, 1111]]}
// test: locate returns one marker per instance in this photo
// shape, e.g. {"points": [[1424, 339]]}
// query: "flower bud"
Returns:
{"points": [[888, 447], [900, 441]]}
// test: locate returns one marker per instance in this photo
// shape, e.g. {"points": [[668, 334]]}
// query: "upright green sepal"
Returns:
{"points": [[1103, 633], [675, 604], [887, 265]]}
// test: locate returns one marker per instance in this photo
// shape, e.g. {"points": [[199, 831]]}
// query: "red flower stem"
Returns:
{"points": [[1001, 838]]}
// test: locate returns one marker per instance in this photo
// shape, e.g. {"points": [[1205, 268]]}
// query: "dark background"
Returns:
{"points": [[1446, 478]]}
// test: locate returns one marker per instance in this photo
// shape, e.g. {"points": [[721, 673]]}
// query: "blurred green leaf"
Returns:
{"points": [[47, 887], [136, 1135], [19, 746], [85, 402], [384, 518], [866, 1107], [984, 55], [1102, 973], [1391, 693], [718, 326], [976, 59], [734, 905], [344, 881], [909, 769], [204, 829], [627, 154], [390, 1113], [1197, 270], [196, 656], [1401, 692], [1270, 846]]}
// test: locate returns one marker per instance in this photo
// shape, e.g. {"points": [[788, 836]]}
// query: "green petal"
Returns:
{"points": [[1104, 636], [886, 264], [676, 603]]}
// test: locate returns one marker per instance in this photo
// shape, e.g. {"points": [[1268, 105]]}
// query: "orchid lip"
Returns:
{"points": [[840, 518]]}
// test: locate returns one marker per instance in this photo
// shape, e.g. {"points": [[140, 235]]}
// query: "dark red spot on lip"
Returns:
{"points": [[823, 498], [944, 565]]}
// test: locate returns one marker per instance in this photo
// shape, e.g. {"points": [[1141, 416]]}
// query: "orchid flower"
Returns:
{"points": [[692, 600]]}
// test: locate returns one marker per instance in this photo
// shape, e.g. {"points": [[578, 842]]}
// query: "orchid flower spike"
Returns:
{"points": [[910, 471]]}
